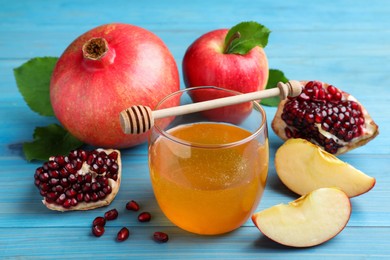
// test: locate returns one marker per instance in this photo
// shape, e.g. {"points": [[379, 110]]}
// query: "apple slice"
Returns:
{"points": [[308, 221], [304, 167]]}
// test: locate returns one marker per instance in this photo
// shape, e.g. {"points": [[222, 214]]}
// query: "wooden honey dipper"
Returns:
{"points": [[138, 119]]}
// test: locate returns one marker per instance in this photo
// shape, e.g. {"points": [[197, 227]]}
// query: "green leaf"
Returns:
{"points": [[274, 77], [48, 141], [245, 36], [33, 80]]}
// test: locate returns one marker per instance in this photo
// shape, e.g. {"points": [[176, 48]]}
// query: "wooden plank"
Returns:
{"points": [[248, 243]]}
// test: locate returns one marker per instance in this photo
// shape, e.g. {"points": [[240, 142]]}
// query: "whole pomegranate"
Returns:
{"points": [[105, 71], [326, 116]]}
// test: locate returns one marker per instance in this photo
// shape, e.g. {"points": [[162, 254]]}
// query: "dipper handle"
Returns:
{"points": [[139, 119]]}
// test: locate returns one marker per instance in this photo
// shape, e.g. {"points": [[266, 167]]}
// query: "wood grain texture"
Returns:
{"points": [[345, 43]]}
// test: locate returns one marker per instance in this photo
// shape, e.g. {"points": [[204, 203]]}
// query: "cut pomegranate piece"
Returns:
{"points": [[325, 116], [82, 180]]}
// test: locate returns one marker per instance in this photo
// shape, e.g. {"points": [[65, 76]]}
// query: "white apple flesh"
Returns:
{"points": [[308, 221], [304, 167]]}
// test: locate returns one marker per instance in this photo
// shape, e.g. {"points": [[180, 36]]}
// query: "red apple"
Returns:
{"points": [[206, 63]]}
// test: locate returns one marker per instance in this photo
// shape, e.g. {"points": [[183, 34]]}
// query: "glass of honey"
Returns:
{"points": [[209, 169]]}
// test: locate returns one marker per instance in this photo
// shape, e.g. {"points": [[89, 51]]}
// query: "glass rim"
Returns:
{"points": [[253, 135]]}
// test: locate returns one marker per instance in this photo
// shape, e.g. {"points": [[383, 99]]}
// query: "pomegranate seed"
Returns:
{"points": [[61, 199], [101, 195], [72, 178], [64, 173], [39, 171], [77, 164], [60, 160], [67, 203], [303, 97], [337, 96], [97, 231], [69, 167], [44, 186], [52, 196], [114, 168], [113, 156], [44, 177], [107, 190], [132, 205], [71, 193], [45, 166], [99, 221], [87, 197], [108, 162], [91, 159], [83, 155], [332, 90], [88, 178], [318, 118], [94, 196], [54, 181], [123, 234], [80, 197], [59, 188], [144, 217], [86, 187], [160, 237], [73, 202], [53, 165], [103, 181], [95, 186], [54, 173], [111, 214]]}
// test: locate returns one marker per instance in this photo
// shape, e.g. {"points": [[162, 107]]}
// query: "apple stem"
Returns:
{"points": [[236, 35]]}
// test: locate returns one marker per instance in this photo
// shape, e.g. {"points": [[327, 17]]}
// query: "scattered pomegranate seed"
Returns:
{"points": [[98, 231], [123, 234], [132, 205], [99, 221], [144, 217], [160, 237], [111, 214]]}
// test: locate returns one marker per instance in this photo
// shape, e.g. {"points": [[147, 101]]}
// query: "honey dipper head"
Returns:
{"points": [[136, 119]]}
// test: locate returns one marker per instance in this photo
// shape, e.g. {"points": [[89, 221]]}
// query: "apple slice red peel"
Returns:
{"points": [[139, 119], [308, 221]]}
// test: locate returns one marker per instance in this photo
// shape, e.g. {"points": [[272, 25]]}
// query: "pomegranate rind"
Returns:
{"points": [[97, 204], [371, 129]]}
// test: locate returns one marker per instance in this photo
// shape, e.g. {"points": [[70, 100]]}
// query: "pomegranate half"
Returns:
{"points": [[325, 116], [82, 180], [105, 71]]}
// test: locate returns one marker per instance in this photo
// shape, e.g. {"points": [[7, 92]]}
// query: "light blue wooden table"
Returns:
{"points": [[346, 43]]}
